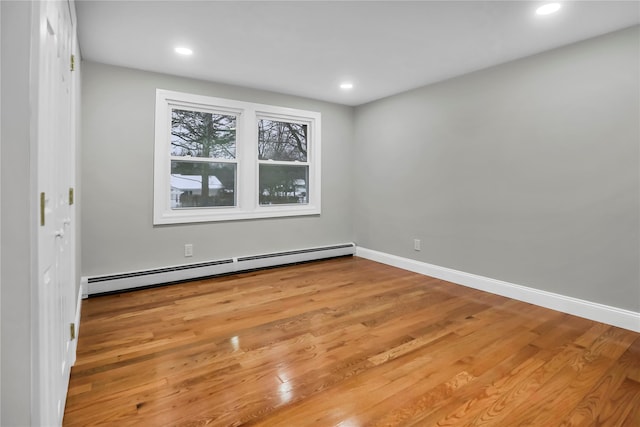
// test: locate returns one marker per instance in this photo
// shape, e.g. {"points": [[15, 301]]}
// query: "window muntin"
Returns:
{"points": [[219, 159]]}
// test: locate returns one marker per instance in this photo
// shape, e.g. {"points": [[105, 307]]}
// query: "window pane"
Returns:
{"points": [[282, 141], [200, 184], [284, 184], [201, 134]]}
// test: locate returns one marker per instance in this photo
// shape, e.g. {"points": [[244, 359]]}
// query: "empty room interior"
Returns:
{"points": [[322, 213]]}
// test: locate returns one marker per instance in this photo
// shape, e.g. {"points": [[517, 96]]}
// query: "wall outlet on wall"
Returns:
{"points": [[188, 250], [416, 244]]}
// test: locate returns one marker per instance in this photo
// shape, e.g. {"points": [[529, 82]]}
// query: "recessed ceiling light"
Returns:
{"points": [[346, 85], [184, 51], [548, 8]]}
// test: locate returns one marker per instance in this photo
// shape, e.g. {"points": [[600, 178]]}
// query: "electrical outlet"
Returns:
{"points": [[188, 250], [416, 244]]}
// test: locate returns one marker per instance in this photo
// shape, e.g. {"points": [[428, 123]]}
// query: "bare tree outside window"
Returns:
{"points": [[282, 141]]}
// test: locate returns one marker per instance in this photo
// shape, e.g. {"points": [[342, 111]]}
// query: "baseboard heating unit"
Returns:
{"points": [[139, 279]]}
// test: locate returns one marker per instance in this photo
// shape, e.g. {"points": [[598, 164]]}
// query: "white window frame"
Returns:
{"points": [[247, 187]]}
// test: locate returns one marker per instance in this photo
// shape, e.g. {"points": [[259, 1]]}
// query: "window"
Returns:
{"points": [[283, 164], [218, 159], [203, 158]]}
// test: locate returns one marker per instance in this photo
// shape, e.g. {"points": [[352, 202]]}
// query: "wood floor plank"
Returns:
{"points": [[593, 403], [345, 342]]}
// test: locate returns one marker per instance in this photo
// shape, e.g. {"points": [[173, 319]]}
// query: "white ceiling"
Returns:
{"points": [[308, 48]]}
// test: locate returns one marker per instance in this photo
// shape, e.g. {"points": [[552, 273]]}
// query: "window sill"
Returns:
{"points": [[187, 216]]}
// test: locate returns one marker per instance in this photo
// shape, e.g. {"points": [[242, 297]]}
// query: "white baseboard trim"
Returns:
{"points": [[590, 310]]}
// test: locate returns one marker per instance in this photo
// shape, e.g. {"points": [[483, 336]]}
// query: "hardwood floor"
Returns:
{"points": [[345, 342]]}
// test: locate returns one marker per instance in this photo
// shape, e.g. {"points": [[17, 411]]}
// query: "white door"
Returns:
{"points": [[55, 307]]}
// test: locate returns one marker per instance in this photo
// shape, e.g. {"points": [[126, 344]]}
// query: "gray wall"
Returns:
{"points": [[118, 107], [527, 172], [17, 244]]}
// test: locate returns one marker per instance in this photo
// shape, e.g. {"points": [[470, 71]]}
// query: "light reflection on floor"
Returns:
{"points": [[235, 343], [351, 422]]}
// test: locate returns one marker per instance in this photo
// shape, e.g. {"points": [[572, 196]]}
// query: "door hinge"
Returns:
{"points": [[73, 62], [70, 196], [42, 206], [72, 330]]}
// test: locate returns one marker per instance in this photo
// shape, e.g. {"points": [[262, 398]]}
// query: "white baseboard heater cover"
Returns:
{"points": [[179, 273]]}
